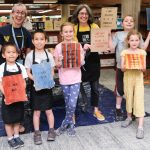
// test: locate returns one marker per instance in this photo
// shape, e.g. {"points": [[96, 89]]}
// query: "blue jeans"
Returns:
{"points": [[71, 93]]}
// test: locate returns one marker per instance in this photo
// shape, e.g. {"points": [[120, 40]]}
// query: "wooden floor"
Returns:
{"points": [[98, 137]]}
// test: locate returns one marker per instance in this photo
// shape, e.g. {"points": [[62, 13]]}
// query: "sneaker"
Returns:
{"points": [[37, 138], [140, 133], [12, 143], [119, 115], [126, 123], [71, 132], [60, 131], [99, 116], [19, 141], [51, 135]]}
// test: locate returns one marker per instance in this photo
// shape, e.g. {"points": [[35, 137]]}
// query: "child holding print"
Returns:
{"points": [[69, 78], [13, 113], [133, 82], [41, 100], [119, 44]]}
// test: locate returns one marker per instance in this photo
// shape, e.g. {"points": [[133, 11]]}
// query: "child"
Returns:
{"points": [[12, 114], [133, 83], [70, 79], [119, 44], [41, 100]]}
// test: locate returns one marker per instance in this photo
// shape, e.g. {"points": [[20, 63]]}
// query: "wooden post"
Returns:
{"points": [[131, 7], [65, 12]]}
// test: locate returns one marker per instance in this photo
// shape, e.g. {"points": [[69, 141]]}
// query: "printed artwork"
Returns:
{"points": [[134, 61], [14, 89], [71, 55], [42, 76]]}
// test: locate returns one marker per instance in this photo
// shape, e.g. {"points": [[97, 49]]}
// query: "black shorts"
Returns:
{"points": [[119, 90]]}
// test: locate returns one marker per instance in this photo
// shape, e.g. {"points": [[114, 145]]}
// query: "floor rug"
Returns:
{"points": [[106, 105]]}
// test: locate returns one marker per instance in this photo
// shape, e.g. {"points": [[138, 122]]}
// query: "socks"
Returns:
{"points": [[16, 135], [10, 138], [118, 106]]}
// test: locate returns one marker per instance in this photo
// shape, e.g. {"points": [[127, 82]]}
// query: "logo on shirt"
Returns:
{"points": [[86, 38], [6, 38]]}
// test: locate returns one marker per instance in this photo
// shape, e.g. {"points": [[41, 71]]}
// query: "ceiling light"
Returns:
{"points": [[45, 1], [5, 11]]}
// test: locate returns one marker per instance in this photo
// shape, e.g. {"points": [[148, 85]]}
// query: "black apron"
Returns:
{"points": [[91, 68], [40, 100], [13, 113]]}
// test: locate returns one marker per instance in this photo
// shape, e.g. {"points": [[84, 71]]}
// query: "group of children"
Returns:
{"points": [[70, 79]]}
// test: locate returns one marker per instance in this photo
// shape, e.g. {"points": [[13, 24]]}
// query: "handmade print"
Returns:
{"points": [[71, 55], [14, 89], [134, 61], [42, 76]]}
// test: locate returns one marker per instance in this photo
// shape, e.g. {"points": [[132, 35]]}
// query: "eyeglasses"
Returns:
{"points": [[23, 14], [83, 13]]}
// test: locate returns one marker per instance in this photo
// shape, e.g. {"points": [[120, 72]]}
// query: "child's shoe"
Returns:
{"points": [[126, 123], [71, 132], [37, 138], [60, 131], [140, 133], [99, 115], [13, 144], [119, 115], [19, 141], [51, 135]]}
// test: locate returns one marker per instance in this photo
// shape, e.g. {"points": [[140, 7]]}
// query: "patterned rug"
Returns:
{"points": [[106, 105]]}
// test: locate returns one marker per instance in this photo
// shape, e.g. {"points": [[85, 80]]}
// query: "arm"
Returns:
{"points": [[29, 74], [1, 88], [146, 43]]}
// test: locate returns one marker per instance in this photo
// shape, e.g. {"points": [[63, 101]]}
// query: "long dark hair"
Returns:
{"points": [[76, 13]]}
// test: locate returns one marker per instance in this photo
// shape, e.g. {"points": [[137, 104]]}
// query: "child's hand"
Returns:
{"points": [[86, 46], [123, 69], [59, 63]]}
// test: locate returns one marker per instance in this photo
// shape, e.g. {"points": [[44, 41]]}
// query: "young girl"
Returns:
{"points": [[70, 79], [12, 114], [41, 100], [119, 44], [133, 83]]}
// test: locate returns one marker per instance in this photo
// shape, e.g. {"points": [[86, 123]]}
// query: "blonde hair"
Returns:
{"points": [[129, 16], [132, 32], [66, 24]]}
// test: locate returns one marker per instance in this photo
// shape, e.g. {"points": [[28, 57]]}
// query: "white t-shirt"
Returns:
{"points": [[39, 57], [13, 68]]}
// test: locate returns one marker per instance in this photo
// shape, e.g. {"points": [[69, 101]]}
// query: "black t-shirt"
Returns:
{"points": [[6, 36]]}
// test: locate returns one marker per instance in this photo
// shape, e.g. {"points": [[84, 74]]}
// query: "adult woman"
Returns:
{"points": [[15, 33], [83, 20]]}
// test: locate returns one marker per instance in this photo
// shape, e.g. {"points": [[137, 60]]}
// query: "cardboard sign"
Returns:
{"points": [[134, 61], [42, 76], [99, 39], [48, 25], [14, 90], [71, 55], [148, 18], [109, 17]]}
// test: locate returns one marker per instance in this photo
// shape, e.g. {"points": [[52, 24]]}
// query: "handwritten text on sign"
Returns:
{"points": [[99, 40], [109, 17]]}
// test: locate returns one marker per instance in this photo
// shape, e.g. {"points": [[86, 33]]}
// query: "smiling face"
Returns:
{"points": [[67, 33], [10, 54], [128, 23], [39, 41], [134, 41], [18, 16], [83, 16]]}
